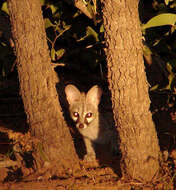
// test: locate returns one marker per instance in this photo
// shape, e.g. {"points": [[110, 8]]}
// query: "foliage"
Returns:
{"points": [[73, 38], [161, 20], [76, 40], [159, 46]]}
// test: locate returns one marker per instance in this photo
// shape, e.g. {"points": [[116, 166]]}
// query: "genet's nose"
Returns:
{"points": [[81, 126]]}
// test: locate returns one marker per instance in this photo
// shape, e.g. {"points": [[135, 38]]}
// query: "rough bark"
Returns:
{"points": [[129, 87], [37, 86]]}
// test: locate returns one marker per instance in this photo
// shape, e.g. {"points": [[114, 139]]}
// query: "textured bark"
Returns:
{"points": [[37, 85], [129, 87]]}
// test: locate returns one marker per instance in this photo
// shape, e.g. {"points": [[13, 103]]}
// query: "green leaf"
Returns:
{"points": [[102, 28], [154, 87], [161, 20], [173, 28], [171, 77], [60, 53], [92, 32], [48, 23], [167, 1], [173, 5], [5, 8], [53, 9], [42, 2]]}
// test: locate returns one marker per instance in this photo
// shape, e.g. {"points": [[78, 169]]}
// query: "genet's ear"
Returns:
{"points": [[72, 93], [94, 95]]}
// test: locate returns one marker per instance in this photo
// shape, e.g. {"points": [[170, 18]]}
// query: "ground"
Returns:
{"points": [[14, 140]]}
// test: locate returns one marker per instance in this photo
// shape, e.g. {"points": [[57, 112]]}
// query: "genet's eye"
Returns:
{"points": [[88, 115], [75, 114]]}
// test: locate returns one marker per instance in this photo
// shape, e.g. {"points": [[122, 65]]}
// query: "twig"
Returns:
{"points": [[58, 64], [13, 65], [8, 163]]}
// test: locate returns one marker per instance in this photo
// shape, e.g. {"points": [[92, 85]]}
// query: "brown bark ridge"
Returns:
{"points": [[38, 88], [129, 87]]}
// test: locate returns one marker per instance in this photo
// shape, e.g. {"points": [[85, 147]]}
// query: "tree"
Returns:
{"points": [[129, 88], [37, 84]]}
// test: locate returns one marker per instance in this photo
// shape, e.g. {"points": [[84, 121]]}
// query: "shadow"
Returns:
{"points": [[6, 148], [162, 105], [162, 117], [108, 154], [13, 123], [14, 175]]}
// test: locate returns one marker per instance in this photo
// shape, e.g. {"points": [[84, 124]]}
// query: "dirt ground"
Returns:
{"points": [[95, 176]]}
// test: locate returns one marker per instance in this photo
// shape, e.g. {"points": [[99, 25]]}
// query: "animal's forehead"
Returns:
{"points": [[82, 106]]}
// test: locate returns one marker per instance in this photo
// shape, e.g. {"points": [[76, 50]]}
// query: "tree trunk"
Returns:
{"points": [[37, 86], [129, 88]]}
